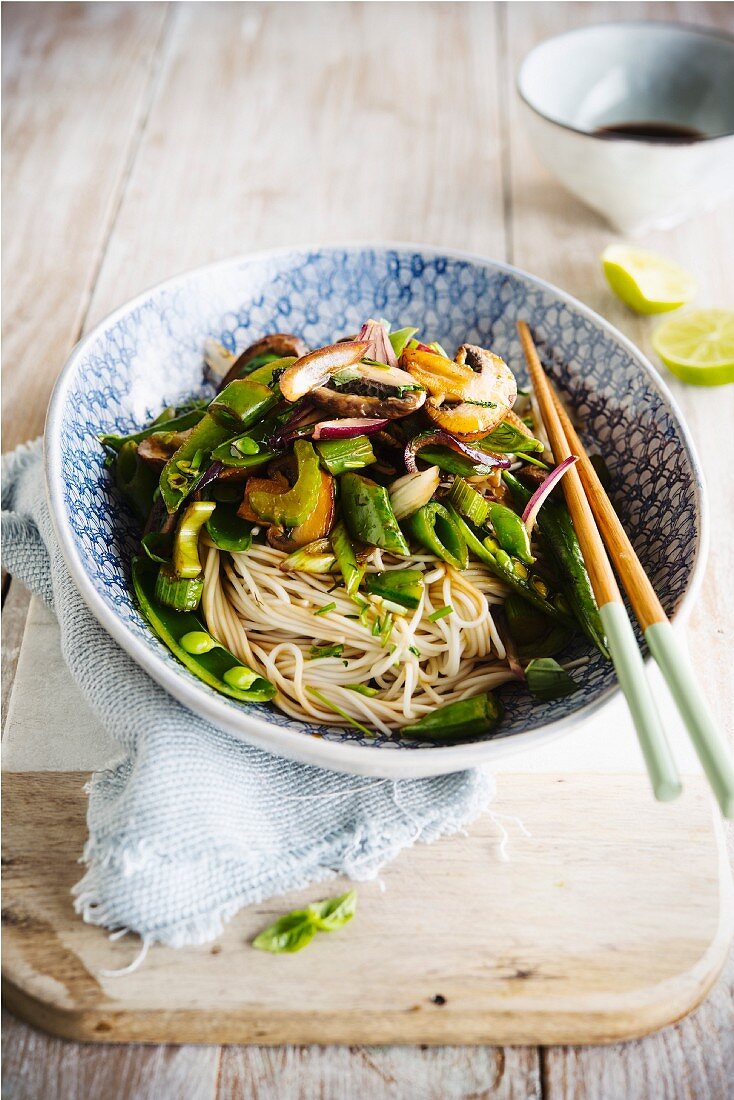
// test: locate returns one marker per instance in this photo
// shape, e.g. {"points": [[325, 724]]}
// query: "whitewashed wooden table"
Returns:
{"points": [[143, 139]]}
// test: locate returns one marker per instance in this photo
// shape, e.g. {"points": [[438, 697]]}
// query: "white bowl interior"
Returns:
{"points": [[633, 72]]}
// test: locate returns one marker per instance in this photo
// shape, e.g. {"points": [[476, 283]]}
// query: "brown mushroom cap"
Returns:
{"points": [[375, 392], [486, 396], [281, 344]]}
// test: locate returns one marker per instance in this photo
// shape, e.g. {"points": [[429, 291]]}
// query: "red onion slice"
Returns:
{"points": [[298, 424], [445, 439], [537, 500], [348, 428], [379, 347]]}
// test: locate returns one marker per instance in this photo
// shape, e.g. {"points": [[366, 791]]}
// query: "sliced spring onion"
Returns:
{"points": [[318, 651], [316, 557], [411, 492], [441, 613], [325, 609], [468, 502], [338, 710], [363, 689]]}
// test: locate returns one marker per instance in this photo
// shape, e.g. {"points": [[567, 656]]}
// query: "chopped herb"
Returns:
{"points": [[363, 689], [317, 651], [338, 710], [414, 650], [441, 613], [325, 609]]}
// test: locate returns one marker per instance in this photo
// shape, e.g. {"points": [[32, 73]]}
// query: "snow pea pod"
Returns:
{"points": [[186, 466], [556, 527], [368, 514], [218, 667], [465, 718], [248, 399], [434, 528], [512, 571], [510, 532]]}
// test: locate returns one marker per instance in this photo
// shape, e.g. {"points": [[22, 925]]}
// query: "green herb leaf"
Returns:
{"points": [[317, 651], [334, 912], [441, 613], [325, 609], [287, 934], [414, 650], [547, 680]]}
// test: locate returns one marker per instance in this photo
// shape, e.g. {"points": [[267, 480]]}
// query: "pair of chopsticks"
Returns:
{"points": [[597, 524]]}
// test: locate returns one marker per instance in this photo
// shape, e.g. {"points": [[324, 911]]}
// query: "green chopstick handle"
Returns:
{"points": [[630, 670], [708, 742]]}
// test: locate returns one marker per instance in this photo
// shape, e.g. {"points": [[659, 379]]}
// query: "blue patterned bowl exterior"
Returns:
{"points": [[149, 354]]}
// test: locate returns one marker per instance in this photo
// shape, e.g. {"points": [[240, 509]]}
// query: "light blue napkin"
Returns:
{"points": [[192, 824]]}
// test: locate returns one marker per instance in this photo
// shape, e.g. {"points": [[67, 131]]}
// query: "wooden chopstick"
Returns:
{"points": [[625, 653], [671, 657]]}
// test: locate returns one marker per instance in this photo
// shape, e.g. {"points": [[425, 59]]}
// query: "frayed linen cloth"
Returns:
{"points": [[192, 824]]}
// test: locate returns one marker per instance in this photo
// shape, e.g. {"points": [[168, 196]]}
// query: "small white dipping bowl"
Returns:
{"points": [[634, 72]]}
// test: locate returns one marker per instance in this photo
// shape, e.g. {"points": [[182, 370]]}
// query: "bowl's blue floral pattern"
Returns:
{"points": [[149, 355]]}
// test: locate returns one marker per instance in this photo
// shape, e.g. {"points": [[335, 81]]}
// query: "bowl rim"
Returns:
{"points": [[685, 28], [339, 756]]}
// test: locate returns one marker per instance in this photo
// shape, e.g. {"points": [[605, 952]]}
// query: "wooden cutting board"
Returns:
{"points": [[610, 919]]}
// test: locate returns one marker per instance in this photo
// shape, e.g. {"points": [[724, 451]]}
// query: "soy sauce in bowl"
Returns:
{"points": [[669, 132]]}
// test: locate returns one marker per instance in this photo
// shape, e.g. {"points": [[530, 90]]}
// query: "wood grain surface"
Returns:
{"points": [[614, 941], [142, 138]]}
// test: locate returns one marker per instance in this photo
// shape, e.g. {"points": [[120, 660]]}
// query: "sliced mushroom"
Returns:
{"points": [[314, 369], [469, 396], [373, 391], [318, 524], [281, 344], [157, 448]]}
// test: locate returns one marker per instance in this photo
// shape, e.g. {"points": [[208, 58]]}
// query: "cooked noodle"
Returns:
{"points": [[266, 617]]}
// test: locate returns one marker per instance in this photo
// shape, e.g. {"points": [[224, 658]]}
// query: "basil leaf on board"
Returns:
{"points": [[287, 934], [334, 912], [547, 680]]}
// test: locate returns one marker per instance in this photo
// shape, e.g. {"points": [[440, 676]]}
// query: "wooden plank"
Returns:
{"points": [[378, 1073], [15, 610], [75, 81], [35, 1066], [615, 939], [281, 124], [556, 237]]}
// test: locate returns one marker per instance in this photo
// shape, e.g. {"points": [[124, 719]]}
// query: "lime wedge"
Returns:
{"points": [[645, 282], [698, 346]]}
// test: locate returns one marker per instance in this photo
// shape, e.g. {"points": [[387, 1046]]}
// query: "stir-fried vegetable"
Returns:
{"points": [[433, 527], [368, 515], [557, 529], [455, 721], [217, 667], [276, 461]]}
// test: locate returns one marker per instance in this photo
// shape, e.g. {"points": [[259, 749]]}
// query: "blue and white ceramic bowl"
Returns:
{"points": [[149, 354]]}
